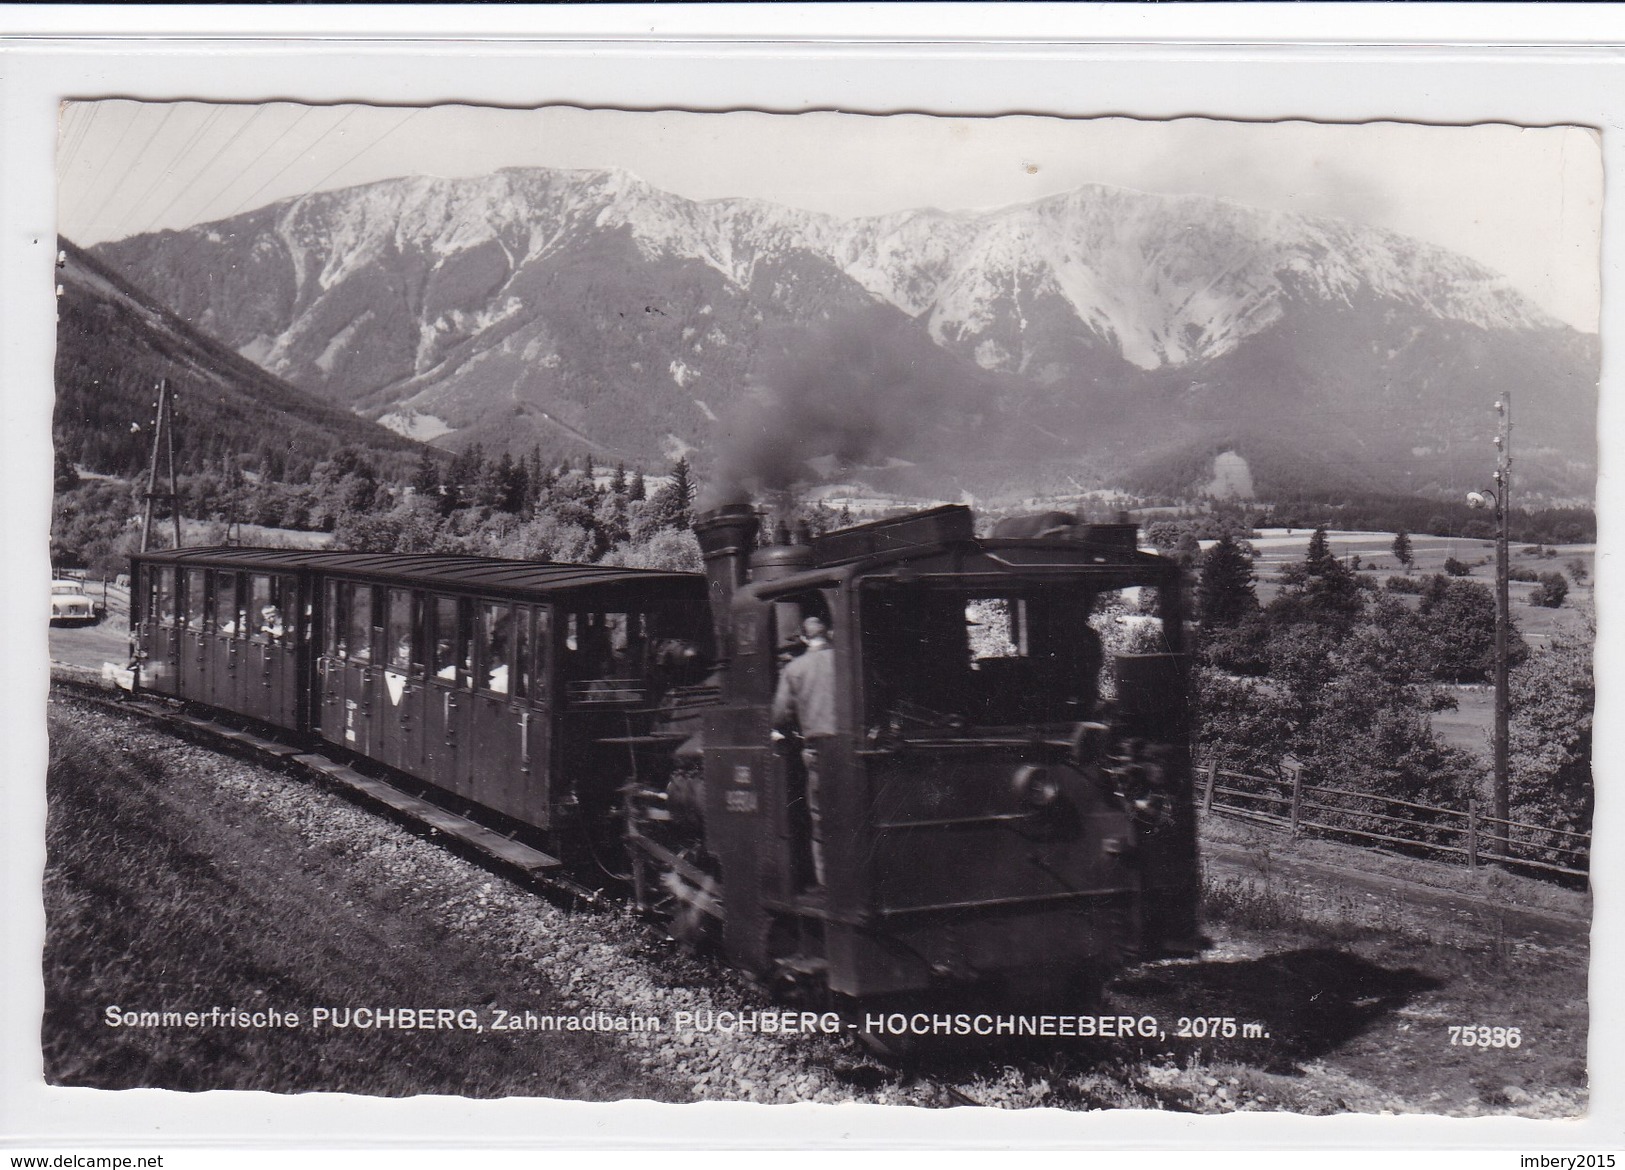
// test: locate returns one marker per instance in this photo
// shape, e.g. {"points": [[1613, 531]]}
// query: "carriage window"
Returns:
{"points": [[402, 635], [197, 599], [163, 581], [543, 646], [259, 596], [358, 629], [603, 645], [496, 637], [453, 618], [521, 652], [285, 596], [228, 610], [267, 609], [333, 621]]}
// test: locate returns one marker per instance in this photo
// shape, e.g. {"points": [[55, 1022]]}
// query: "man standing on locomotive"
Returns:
{"points": [[805, 702]]}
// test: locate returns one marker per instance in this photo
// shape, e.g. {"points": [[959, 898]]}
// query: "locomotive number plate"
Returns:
{"points": [[742, 774], [740, 802]]}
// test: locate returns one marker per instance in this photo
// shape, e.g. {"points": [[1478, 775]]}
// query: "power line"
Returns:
{"points": [[101, 170], [135, 156], [236, 175], [169, 168], [376, 141], [201, 171], [296, 158], [77, 135]]}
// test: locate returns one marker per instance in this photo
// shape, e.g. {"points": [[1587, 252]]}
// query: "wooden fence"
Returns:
{"points": [[1466, 835]]}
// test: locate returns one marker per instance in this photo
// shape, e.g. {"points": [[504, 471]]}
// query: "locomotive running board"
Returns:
{"points": [[474, 835]]}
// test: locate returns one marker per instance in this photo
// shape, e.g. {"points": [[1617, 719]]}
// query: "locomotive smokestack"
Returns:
{"points": [[727, 536]]}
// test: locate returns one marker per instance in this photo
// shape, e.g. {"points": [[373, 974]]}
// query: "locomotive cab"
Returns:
{"points": [[1006, 798]]}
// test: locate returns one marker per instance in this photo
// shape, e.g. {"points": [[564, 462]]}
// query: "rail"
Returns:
{"points": [[1287, 803]]}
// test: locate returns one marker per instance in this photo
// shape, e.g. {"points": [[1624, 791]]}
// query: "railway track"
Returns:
{"points": [[410, 804]]}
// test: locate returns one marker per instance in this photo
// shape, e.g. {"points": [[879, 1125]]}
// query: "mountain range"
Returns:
{"points": [[1099, 337]]}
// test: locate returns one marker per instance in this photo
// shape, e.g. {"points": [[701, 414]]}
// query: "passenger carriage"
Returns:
{"points": [[495, 681]]}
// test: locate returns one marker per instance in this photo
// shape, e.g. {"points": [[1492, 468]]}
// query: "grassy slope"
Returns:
{"points": [[163, 891]]}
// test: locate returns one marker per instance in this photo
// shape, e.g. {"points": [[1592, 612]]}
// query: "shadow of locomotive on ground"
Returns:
{"points": [[1286, 1009], [1305, 1003]]}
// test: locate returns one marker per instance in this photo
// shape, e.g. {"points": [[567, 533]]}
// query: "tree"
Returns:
{"points": [[682, 490], [65, 476], [670, 506], [1402, 550], [1319, 553], [1320, 589], [1457, 620], [1224, 591], [426, 475], [1551, 591], [1163, 535], [1553, 698], [462, 477], [1457, 568]]}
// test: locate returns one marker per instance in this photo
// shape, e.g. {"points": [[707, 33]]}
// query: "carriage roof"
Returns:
{"points": [[449, 571]]}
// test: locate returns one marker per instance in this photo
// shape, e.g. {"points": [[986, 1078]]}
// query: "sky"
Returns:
{"points": [[1526, 202]]}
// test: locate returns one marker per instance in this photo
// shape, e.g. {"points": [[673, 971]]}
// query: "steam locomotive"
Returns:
{"points": [[1003, 806]]}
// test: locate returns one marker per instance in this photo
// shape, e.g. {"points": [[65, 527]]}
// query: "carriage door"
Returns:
{"points": [[534, 690], [270, 684], [447, 696], [347, 666], [160, 631], [401, 698], [196, 606], [501, 722]]}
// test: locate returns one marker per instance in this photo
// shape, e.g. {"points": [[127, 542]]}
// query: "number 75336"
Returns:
{"points": [[1484, 1036]]}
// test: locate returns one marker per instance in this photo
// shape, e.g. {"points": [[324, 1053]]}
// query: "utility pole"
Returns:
{"points": [[163, 440], [1501, 810]]}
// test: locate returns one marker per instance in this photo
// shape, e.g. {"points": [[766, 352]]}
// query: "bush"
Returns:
{"points": [[1404, 584], [1553, 700], [1522, 574], [1551, 591], [1458, 630], [1456, 568]]}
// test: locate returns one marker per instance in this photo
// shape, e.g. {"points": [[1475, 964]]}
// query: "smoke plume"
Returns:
{"points": [[844, 394]]}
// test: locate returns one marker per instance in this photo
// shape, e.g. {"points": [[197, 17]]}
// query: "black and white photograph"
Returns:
{"points": [[702, 595], [1081, 613]]}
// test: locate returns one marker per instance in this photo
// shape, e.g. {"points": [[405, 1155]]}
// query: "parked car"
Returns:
{"points": [[70, 606]]}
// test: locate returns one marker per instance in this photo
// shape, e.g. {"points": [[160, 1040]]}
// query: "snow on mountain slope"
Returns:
{"points": [[1165, 279], [533, 301]]}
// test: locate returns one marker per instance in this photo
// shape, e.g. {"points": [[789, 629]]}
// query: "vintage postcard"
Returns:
{"points": [[695, 593], [1080, 613]]}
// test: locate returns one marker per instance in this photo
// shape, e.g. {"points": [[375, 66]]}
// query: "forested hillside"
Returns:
{"points": [[114, 343]]}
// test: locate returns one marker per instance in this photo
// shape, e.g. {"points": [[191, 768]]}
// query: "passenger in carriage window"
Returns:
{"points": [[445, 659], [271, 624]]}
